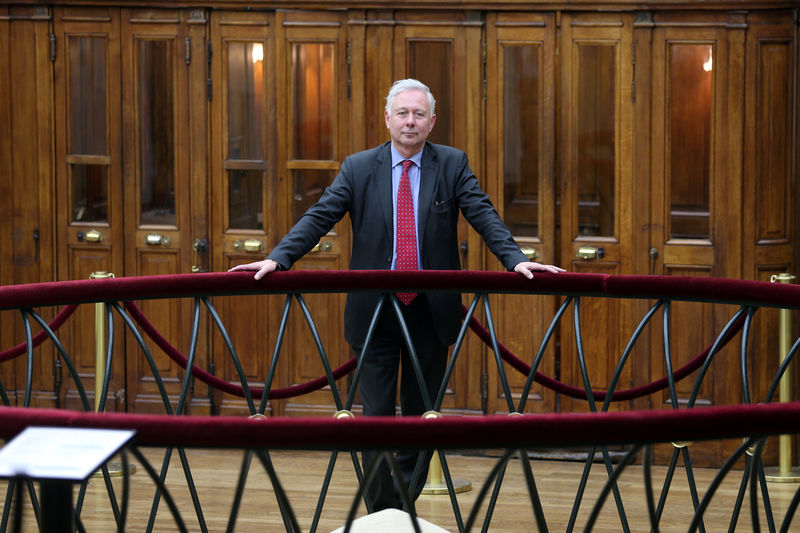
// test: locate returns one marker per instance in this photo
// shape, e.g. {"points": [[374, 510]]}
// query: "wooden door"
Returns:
{"points": [[245, 222], [443, 50], [696, 174], [769, 198], [282, 73], [88, 174], [26, 198], [520, 128], [164, 101], [769, 229], [311, 72], [595, 124]]}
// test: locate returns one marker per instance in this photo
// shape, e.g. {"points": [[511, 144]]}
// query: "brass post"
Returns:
{"points": [[785, 472], [435, 484], [99, 342], [114, 469]]}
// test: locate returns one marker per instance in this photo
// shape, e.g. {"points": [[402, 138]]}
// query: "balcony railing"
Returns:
{"points": [[638, 431]]}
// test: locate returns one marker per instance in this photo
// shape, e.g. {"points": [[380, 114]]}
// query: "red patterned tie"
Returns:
{"points": [[406, 230]]}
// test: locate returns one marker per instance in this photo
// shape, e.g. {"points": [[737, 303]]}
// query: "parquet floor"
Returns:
{"points": [[215, 473]]}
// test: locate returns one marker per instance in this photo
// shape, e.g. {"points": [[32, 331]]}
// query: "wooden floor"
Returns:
{"points": [[215, 473]]}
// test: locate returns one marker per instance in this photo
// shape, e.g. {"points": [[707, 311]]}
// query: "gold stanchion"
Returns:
{"points": [[436, 484], [99, 342], [114, 469], [784, 472]]}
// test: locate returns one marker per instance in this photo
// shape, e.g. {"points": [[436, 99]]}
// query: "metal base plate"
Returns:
{"points": [[773, 473], [459, 486]]}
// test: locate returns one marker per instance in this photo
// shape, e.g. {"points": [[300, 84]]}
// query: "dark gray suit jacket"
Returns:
{"points": [[363, 188]]}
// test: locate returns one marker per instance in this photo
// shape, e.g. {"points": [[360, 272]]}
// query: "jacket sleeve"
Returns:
{"points": [[317, 221]]}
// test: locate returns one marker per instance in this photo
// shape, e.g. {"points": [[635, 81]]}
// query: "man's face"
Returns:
{"points": [[409, 121]]}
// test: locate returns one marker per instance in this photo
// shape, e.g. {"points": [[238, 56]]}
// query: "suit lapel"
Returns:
{"points": [[383, 172], [429, 175]]}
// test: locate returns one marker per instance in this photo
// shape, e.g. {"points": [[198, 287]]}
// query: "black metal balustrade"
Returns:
{"points": [[754, 421]]}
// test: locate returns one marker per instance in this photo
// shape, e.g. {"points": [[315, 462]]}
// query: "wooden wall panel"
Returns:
{"points": [[769, 227], [26, 121]]}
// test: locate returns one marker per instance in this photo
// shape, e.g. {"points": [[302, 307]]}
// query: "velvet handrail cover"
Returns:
{"points": [[705, 289], [489, 431], [716, 290]]}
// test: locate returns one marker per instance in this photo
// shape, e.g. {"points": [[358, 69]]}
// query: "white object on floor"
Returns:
{"points": [[390, 521]]}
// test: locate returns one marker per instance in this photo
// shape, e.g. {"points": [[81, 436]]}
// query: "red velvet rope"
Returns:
{"points": [[316, 384], [40, 336], [616, 396], [477, 328], [221, 384]]}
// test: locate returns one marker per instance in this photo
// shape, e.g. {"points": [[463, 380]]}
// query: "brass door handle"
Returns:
{"points": [[200, 245], [324, 246], [90, 236], [154, 239], [249, 245], [530, 252], [587, 253]]}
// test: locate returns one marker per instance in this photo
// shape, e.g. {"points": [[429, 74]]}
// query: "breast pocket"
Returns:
{"points": [[443, 207], [443, 217]]}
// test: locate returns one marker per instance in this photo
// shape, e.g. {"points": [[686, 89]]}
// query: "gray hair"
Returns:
{"points": [[406, 85]]}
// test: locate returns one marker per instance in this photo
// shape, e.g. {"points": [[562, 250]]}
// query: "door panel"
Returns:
{"points": [[689, 66], [769, 202], [159, 96], [596, 208], [88, 173], [245, 217], [520, 159], [26, 196], [312, 71], [697, 188]]}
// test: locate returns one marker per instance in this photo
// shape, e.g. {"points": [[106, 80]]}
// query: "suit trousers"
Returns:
{"points": [[378, 388]]}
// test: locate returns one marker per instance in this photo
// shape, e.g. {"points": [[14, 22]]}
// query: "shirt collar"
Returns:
{"points": [[397, 158]]}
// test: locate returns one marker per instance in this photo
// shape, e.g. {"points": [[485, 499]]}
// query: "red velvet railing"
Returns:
{"points": [[492, 431], [186, 285], [652, 287]]}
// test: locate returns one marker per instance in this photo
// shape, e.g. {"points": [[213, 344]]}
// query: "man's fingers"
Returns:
{"points": [[524, 269], [248, 266], [527, 269]]}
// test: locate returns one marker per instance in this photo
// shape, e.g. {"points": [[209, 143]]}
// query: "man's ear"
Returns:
{"points": [[386, 117]]}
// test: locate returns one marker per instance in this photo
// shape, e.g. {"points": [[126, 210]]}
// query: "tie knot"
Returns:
{"points": [[407, 164]]}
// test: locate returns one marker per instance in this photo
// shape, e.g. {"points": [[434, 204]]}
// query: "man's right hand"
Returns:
{"points": [[262, 267]]}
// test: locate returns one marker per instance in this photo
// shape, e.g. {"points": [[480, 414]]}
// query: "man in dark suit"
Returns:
{"points": [[374, 187]]}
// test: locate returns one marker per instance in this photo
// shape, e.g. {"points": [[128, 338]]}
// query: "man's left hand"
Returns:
{"points": [[527, 268]]}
